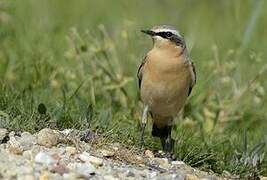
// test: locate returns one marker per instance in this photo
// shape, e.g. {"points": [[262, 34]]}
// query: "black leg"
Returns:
{"points": [[163, 143], [169, 143]]}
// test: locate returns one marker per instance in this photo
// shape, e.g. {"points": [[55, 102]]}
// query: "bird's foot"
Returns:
{"points": [[170, 156], [163, 154]]}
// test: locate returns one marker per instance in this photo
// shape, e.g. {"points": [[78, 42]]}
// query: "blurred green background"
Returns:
{"points": [[72, 64]]}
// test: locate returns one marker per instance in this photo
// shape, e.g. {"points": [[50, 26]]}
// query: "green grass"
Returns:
{"points": [[72, 64]]}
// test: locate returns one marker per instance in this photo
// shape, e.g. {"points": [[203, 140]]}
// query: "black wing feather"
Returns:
{"points": [[140, 72], [194, 78]]}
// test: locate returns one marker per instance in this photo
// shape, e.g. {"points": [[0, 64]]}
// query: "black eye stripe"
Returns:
{"points": [[165, 34], [168, 34], [172, 37]]}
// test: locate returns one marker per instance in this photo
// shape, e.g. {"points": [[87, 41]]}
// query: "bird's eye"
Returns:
{"points": [[168, 34]]}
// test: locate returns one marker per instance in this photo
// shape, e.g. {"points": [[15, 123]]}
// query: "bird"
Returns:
{"points": [[166, 77]]}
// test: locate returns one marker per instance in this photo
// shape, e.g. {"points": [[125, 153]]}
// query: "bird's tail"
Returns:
{"points": [[161, 132]]}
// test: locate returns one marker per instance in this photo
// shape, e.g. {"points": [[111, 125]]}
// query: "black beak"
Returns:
{"points": [[149, 32]]}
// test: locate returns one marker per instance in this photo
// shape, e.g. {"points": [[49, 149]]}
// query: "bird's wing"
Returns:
{"points": [[140, 71], [194, 77]]}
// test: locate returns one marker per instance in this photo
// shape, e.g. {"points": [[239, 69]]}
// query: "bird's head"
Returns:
{"points": [[164, 36]]}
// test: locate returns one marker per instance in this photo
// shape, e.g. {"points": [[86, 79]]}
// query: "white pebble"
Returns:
{"points": [[44, 158]]}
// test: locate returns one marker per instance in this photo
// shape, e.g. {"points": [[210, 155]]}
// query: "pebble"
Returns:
{"points": [[191, 177], [87, 136], [95, 160], [139, 159], [162, 162], [107, 153], [85, 157], [27, 140], [28, 177], [149, 154], [153, 175], [3, 134], [47, 137], [110, 177], [44, 158], [45, 176], [60, 169], [70, 150], [12, 134], [28, 156], [130, 174], [84, 169], [15, 150], [177, 163], [13, 142]]}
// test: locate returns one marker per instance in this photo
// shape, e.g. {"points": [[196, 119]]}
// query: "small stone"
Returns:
{"points": [[130, 174], [110, 177], [56, 156], [191, 177], [44, 158], [85, 157], [15, 150], [107, 153], [70, 175], [177, 163], [88, 136], [3, 146], [12, 134], [27, 176], [96, 161], [3, 134], [58, 150], [27, 154], [85, 170], [27, 140], [47, 137], [70, 150], [170, 176], [163, 162], [153, 175], [23, 170], [139, 159], [13, 142], [60, 169], [149, 154], [44, 176]]}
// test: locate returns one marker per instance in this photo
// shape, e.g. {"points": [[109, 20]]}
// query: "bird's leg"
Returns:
{"points": [[143, 125], [163, 143], [168, 143]]}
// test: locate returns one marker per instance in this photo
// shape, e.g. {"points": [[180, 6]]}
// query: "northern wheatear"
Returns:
{"points": [[166, 78]]}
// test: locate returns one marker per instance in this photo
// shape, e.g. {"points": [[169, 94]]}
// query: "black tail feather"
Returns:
{"points": [[160, 132]]}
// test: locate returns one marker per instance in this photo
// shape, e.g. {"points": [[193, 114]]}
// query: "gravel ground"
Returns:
{"points": [[72, 154]]}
